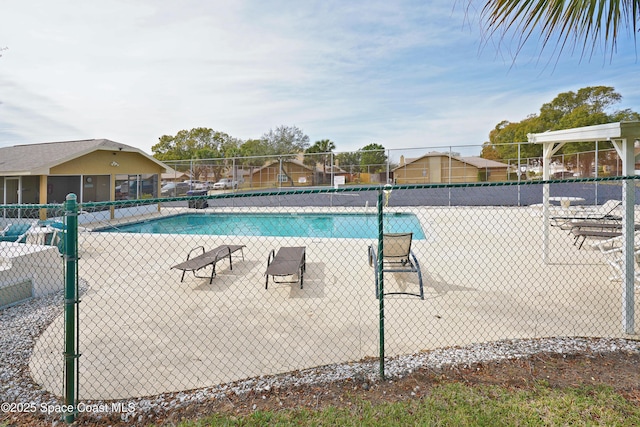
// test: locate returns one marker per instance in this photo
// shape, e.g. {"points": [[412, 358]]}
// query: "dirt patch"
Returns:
{"points": [[619, 370]]}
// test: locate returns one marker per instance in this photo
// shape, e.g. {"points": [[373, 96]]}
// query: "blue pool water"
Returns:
{"points": [[350, 226]]}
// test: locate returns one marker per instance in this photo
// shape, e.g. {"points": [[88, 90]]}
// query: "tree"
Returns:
{"points": [[572, 22], [285, 140], [373, 158], [254, 152], [197, 143], [489, 152], [588, 106], [625, 115], [320, 152], [583, 108], [349, 161]]}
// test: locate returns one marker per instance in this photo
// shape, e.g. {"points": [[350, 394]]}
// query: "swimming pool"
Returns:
{"points": [[350, 226]]}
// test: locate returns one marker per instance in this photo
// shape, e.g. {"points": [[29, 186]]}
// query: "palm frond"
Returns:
{"points": [[569, 22]]}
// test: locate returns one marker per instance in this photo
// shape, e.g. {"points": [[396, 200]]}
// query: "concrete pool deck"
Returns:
{"points": [[143, 332]]}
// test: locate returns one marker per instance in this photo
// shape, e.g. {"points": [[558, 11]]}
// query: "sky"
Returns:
{"points": [[403, 74]]}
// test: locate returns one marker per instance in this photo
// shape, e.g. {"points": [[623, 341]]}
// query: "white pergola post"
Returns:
{"points": [[623, 135], [628, 229], [549, 149]]}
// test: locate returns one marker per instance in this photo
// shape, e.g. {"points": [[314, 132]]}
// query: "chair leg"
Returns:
{"points": [[371, 256], [375, 272], [416, 267], [213, 273], [582, 242]]}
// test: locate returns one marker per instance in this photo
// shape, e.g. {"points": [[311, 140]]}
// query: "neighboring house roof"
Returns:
{"points": [[482, 163], [336, 169], [299, 160], [478, 162], [171, 173], [270, 164], [38, 159]]}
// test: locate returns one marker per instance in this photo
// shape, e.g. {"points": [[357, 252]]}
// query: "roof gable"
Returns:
{"points": [[38, 159], [478, 162], [482, 163], [292, 161]]}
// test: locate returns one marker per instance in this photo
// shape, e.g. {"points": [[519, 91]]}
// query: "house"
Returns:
{"points": [[284, 172], [94, 169], [436, 167], [293, 172]]}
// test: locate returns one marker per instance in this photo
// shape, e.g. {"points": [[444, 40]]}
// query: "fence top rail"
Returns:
{"points": [[325, 190], [33, 206]]}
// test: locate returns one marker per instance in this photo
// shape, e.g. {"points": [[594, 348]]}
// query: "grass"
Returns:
{"points": [[460, 405]]}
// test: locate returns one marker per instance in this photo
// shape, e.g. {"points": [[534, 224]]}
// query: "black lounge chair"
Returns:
{"points": [[596, 229], [397, 258], [206, 259], [289, 261], [603, 212], [581, 235]]}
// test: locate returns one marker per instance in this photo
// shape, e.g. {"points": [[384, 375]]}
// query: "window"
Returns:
{"points": [[58, 187], [135, 187], [95, 188]]}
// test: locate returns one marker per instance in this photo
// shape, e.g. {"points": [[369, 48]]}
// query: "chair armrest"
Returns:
{"points": [[272, 255], [193, 250], [223, 253], [371, 255]]}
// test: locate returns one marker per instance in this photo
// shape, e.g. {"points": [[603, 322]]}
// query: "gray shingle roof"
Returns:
{"points": [[272, 162], [478, 162], [481, 162], [38, 159]]}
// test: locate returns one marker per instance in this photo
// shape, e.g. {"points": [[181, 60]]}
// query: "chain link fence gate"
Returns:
{"points": [[149, 333]]}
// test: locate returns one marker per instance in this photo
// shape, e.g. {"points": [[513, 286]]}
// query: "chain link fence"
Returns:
{"points": [[424, 165], [165, 307]]}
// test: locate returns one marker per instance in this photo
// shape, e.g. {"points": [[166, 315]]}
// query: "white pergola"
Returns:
{"points": [[623, 136]]}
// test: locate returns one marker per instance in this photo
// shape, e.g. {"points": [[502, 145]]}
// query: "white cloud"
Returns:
{"points": [[357, 72]]}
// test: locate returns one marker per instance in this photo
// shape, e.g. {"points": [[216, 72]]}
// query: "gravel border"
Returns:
{"points": [[22, 324]]}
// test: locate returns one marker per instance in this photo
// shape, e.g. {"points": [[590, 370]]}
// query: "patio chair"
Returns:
{"points": [[603, 212], [612, 252], [289, 261], [605, 229], [397, 258], [16, 232], [42, 234], [207, 258]]}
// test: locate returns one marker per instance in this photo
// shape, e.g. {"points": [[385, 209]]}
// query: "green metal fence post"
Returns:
{"points": [[70, 301], [381, 281]]}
